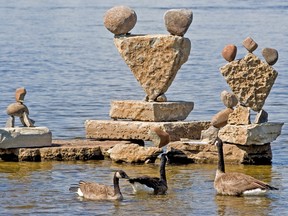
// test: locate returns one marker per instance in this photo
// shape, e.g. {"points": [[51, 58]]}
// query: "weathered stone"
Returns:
{"points": [[177, 21], [250, 79], [252, 134], [229, 52], [180, 152], [220, 119], [154, 59], [261, 117], [240, 116], [127, 130], [150, 111], [25, 137], [17, 109], [250, 44], [20, 94], [133, 153], [120, 20], [228, 99], [159, 137], [270, 55], [161, 98], [209, 135]]}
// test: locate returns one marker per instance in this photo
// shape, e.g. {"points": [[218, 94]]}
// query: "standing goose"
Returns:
{"points": [[95, 191], [236, 184], [158, 185]]}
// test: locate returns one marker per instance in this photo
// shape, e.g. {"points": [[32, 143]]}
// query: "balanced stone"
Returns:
{"points": [[270, 55], [220, 119], [159, 137], [150, 111], [20, 94], [120, 20], [240, 116], [229, 52], [154, 59], [252, 134], [228, 99], [177, 21], [250, 80], [250, 44]]}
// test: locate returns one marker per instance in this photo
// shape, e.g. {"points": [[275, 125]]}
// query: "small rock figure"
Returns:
{"points": [[19, 109]]}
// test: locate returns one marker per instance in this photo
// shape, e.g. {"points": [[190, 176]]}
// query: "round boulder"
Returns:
{"points": [[177, 21], [120, 20], [229, 52], [228, 99], [270, 55]]}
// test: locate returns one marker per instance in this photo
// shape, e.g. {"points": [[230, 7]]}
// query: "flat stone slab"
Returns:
{"points": [[150, 111], [127, 130], [252, 134], [202, 152], [25, 137]]}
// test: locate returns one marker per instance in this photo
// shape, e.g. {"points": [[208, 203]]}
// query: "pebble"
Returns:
{"points": [[16, 109], [120, 20], [228, 99], [229, 52], [250, 44], [220, 119], [177, 21], [270, 55], [159, 137]]}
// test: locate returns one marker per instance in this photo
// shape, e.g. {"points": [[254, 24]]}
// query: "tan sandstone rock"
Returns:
{"points": [[150, 111], [250, 79], [250, 44], [228, 99], [252, 134], [154, 59], [133, 153], [240, 116], [159, 137]]}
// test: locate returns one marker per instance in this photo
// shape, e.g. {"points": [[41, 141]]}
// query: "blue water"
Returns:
{"points": [[63, 55]]}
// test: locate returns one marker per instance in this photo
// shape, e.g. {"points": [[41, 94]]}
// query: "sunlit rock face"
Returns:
{"points": [[154, 59], [250, 79]]}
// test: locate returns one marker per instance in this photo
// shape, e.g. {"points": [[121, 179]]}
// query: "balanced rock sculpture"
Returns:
{"points": [[19, 109]]}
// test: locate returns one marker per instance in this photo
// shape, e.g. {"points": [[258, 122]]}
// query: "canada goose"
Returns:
{"points": [[95, 191], [234, 183], [158, 185]]}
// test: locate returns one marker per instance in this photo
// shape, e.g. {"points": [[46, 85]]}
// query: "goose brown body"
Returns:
{"points": [[234, 183], [96, 191]]}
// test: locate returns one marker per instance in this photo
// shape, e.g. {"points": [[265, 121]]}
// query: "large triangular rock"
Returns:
{"points": [[250, 79], [154, 59]]}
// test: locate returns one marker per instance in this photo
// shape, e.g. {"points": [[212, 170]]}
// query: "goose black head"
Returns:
{"points": [[218, 142], [121, 174]]}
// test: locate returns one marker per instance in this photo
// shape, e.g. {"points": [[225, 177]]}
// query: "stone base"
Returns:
{"points": [[150, 111], [197, 152], [252, 134], [25, 137], [128, 130]]}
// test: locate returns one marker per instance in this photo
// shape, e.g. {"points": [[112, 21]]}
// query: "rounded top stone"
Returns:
{"points": [[228, 99], [20, 94], [270, 55], [177, 21], [229, 52], [120, 19]]}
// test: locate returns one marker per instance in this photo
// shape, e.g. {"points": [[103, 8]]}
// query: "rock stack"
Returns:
{"points": [[154, 60], [26, 136], [251, 80]]}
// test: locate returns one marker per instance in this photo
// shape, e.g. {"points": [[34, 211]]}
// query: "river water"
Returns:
{"points": [[63, 55]]}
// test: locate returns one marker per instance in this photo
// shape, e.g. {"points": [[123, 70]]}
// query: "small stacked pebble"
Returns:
{"points": [[120, 20], [19, 109], [177, 21]]}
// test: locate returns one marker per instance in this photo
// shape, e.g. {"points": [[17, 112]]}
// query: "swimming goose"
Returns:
{"points": [[158, 185], [234, 183], [95, 191]]}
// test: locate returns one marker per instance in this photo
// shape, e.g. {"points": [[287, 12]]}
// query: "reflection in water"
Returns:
{"points": [[233, 205]]}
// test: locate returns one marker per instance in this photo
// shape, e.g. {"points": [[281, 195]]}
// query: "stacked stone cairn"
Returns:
{"points": [[154, 61], [251, 80], [26, 136]]}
